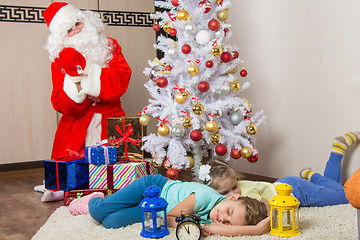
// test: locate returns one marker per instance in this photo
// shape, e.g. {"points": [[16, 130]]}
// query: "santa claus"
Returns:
{"points": [[89, 75]]}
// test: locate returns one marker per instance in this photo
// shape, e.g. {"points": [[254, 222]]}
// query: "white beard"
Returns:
{"points": [[90, 42], [92, 45]]}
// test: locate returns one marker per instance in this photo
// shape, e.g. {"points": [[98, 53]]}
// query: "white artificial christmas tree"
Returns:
{"points": [[196, 89]]}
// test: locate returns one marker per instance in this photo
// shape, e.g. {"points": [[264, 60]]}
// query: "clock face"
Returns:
{"points": [[188, 231]]}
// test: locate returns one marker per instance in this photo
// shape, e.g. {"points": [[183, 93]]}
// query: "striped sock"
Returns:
{"points": [[307, 173], [341, 143]]}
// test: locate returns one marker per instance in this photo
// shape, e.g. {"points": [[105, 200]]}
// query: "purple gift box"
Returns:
{"points": [[100, 155]]}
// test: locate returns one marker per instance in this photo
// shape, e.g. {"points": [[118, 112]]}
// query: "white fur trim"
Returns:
{"points": [[91, 84], [74, 79], [93, 133], [64, 13], [71, 90]]}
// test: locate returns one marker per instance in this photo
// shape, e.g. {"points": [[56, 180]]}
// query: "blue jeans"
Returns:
{"points": [[122, 208], [321, 190]]}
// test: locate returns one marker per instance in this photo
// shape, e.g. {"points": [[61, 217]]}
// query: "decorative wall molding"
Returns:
{"points": [[112, 18]]}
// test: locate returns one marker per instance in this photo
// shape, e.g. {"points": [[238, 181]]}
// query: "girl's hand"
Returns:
{"points": [[205, 230]]}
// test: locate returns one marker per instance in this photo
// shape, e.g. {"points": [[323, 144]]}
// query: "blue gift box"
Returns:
{"points": [[66, 174], [101, 155]]}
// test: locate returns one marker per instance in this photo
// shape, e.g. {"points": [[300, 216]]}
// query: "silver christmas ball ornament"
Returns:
{"points": [[191, 28], [154, 73], [178, 131], [172, 52], [236, 117]]}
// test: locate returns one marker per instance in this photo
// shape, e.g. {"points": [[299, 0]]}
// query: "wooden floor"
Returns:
{"points": [[21, 211]]}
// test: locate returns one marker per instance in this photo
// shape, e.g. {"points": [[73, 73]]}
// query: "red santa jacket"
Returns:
{"points": [[102, 89]]}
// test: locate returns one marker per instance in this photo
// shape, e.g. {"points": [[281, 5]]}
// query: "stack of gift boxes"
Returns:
{"points": [[104, 168]]}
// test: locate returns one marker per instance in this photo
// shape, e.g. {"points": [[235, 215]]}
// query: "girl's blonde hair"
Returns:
{"points": [[220, 170]]}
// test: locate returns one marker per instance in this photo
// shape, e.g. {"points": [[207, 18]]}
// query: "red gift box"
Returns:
{"points": [[72, 195]]}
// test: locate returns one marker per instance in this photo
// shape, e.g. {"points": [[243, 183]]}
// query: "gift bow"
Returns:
{"points": [[73, 153], [179, 88], [204, 176], [162, 121], [125, 134], [143, 111]]}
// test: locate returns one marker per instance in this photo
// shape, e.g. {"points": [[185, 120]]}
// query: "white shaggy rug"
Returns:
{"points": [[318, 223]]}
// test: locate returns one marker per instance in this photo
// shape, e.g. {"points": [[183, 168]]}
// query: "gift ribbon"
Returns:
{"points": [[212, 116], [110, 176], [194, 61], [178, 88], [215, 42], [171, 18], [162, 121], [195, 99], [186, 113], [106, 151], [65, 159], [125, 134], [143, 111]]}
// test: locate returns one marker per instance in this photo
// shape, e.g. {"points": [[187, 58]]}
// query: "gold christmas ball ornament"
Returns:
{"points": [[251, 129], [163, 130], [235, 86], [193, 70], [191, 162], [246, 152], [182, 14], [211, 126], [232, 71], [198, 109], [187, 122], [216, 51], [179, 98], [222, 15], [166, 27], [155, 164], [167, 165], [215, 138], [186, 94], [144, 120]]}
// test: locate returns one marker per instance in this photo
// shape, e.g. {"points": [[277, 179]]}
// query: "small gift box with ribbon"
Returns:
{"points": [[72, 195], [100, 154], [126, 133], [66, 173], [118, 175]]}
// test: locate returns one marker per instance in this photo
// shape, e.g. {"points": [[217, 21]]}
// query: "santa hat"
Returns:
{"points": [[57, 13]]}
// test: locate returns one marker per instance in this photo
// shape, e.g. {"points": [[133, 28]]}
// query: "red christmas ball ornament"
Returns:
{"points": [[172, 31], [221, 149], [226, 57], [162, 82], [168, 68], [175, 3], [196, 135], [156, 27], [172, 173], [186, 49], [206, 5], [203, 86], [253, 159], [243, 73], [214, 24], [235, 54], [235, 153], [209, 64]]}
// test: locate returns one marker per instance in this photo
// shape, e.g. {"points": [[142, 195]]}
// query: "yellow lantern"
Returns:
{"points": [[284, 212]]}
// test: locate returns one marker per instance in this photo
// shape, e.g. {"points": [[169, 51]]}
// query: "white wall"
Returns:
{"points": [[303, 62]]}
